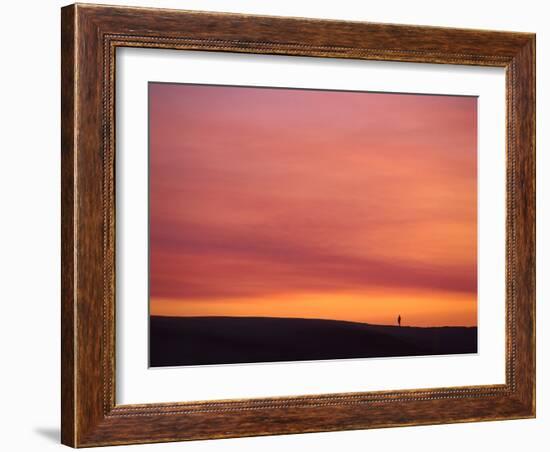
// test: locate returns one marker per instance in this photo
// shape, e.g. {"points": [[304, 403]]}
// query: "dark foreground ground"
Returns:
{"points": [[180, 341]]}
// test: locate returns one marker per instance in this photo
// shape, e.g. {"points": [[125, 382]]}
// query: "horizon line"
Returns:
{"points": [[306, 318]]}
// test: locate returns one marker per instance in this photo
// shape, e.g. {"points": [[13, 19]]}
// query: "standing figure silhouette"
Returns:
{"points": [[399, 319]]}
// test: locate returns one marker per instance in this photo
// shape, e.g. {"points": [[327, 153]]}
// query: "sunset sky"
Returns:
{"points": [[315, 204]]}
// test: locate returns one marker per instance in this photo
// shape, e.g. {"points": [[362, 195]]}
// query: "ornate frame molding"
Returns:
{"points": [[90, 37]]}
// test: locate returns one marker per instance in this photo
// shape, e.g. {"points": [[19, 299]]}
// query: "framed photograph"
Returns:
{"points": [[281, 225]]}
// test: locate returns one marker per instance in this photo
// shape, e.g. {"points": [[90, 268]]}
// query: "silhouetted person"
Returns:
{"points": [[399, 319]]}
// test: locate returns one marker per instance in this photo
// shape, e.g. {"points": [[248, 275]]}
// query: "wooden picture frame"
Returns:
{"points": [[90, 36]]}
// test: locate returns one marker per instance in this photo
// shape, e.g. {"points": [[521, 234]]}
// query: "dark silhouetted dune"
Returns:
{"points": [[180, 341]]}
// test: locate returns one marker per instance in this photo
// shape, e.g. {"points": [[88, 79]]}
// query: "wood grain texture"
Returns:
{"points": [[90, 36], [68, 387]]}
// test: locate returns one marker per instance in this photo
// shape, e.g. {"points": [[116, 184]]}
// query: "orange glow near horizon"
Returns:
{"points": [[430, 309], [313, 204]]}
